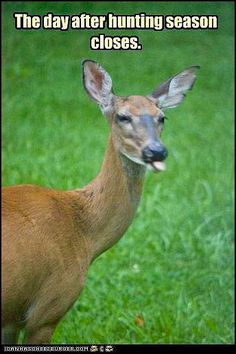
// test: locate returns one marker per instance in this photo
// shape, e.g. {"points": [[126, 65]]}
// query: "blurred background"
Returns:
{"points": [[170, 278]]}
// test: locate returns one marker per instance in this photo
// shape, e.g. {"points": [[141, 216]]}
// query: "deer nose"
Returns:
{"points": [[154, 152]]}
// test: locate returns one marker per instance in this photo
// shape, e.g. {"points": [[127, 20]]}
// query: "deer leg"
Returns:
{"points": [[41, 321], [49, 306], [41, 335], [10, 335]]}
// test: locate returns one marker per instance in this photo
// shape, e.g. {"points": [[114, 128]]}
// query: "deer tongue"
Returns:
{"points": [[159, 165]]}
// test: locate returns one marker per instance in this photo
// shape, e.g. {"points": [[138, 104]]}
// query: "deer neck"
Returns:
{"points": [[111, 199]]}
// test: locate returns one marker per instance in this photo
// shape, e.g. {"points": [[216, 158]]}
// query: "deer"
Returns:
{"points": [[50, 237]]}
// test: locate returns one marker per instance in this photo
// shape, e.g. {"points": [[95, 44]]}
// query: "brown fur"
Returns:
{"points": [[136, 106], [49, 243]]}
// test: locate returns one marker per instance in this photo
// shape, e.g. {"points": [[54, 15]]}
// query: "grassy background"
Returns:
{"points": [[170, 279]]}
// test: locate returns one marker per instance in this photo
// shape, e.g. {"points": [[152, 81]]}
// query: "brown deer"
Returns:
{"points": [[50, 237]]}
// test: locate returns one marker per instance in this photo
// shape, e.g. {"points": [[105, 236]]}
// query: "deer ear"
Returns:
{"points": [[97, 83], [172, 92]]}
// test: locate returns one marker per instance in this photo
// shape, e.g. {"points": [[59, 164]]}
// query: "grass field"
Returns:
{"points": [[170, 278]]}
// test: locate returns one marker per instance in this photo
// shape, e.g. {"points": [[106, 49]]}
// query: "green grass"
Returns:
{"points": [[174, 266]]}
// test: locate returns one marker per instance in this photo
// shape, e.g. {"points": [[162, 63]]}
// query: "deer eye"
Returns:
{"points": [[123, 118]]}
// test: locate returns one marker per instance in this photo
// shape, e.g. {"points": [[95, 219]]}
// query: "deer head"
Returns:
{"points": [[137, 121]]}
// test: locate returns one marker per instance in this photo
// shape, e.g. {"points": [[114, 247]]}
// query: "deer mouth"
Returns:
{"points": [[157, 166]]}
